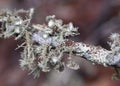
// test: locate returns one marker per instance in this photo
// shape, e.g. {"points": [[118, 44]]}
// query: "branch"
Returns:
{"points": [[45, 46]]}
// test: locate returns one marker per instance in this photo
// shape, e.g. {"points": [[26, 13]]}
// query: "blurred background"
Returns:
{"points": [[96, 20]]}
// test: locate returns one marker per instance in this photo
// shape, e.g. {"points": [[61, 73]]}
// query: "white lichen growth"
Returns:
{"points": [[45, 46]]}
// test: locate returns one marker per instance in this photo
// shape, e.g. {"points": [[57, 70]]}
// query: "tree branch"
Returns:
{"points": [[45, 45]]}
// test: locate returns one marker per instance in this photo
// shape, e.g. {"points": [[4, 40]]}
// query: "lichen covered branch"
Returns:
{"points": [[48, 47]]}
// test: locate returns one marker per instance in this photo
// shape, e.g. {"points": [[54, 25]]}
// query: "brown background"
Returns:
{"points": [[96, 20]]}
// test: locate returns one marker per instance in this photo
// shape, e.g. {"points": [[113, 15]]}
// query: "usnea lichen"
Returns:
{"points": [[46, 46]]}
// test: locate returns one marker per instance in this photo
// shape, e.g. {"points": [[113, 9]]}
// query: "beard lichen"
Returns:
{"points": [[45, 45]]}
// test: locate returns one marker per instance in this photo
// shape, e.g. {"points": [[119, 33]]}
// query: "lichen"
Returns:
{"points": [[46, 46]]}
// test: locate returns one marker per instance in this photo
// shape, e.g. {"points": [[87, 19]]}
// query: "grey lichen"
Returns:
{"points": [[45, 46]]}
